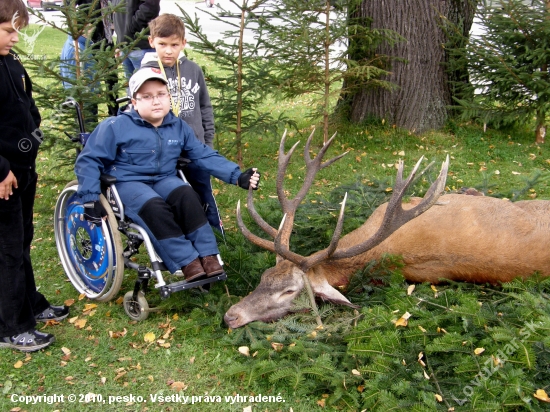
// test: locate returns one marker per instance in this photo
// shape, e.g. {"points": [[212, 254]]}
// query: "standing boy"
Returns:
{"points": [[21, 305], [189, 97], [140, 148]]}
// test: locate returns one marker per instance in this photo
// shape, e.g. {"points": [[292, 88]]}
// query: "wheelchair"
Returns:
{"points": [[94, 258]]}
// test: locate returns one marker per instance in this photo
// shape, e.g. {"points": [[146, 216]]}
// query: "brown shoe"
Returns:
{"points": [[193, 270], [211, 265]]}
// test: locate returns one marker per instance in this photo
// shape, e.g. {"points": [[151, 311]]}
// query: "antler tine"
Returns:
{"points": [[431, 196], [256, 216], [258, 241], [313, 166], [395, 216], [324, 254]]}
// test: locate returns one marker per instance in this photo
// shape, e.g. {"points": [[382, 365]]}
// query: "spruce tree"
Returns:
{"points": [[508, 64], [84, 83], [307, 43], [242, 80]]}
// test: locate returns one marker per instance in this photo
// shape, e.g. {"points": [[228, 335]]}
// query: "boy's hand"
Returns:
{"points": [[7, 185], [94, 212], [249, 178]]}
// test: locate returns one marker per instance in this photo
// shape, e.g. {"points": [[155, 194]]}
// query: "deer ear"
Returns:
{"points": [[322, 289], [279, 258]]}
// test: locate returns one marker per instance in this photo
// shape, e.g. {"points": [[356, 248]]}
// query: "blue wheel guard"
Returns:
{"points": [[88, 248]]}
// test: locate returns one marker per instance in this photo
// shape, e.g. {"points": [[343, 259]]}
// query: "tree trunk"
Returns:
{"points": [[423, 96]]}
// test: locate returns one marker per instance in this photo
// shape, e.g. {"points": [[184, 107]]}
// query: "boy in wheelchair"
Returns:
{"points": [[140, 148]]}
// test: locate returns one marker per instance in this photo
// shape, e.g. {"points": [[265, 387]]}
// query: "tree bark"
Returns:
{"points": [[421, 101]]}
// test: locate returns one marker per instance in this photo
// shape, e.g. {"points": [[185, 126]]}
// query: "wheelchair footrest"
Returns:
{"points": [[167, 290]]}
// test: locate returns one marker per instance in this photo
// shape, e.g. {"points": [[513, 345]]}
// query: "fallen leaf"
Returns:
{"points": [[277, 346], [120, 375], [120, 334], [321, 403], [426, 375], [410, 290], [80, 323], [18, 364], [89, 306], [403, 320], [178, 386], [422, 329], [541, 395], [516, 173], [119, 301], [192, 360], [66, 351], [355, 372], [438, 397], [420, 356], [149, 337], [247, 409], [69, 302], [479, 351], [81, 296], [244, 350]]}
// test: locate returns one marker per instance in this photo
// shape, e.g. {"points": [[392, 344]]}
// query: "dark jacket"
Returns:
{"points": [[20, 135], [131, 149], [138, 15], [99, 33]]}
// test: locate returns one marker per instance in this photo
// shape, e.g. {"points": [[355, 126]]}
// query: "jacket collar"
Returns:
{"points": [[136, 118]]}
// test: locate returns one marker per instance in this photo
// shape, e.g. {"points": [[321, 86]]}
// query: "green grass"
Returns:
{"points": [[109, 356]]}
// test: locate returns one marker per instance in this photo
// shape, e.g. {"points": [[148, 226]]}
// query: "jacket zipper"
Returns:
{"points": [[159, 139]]}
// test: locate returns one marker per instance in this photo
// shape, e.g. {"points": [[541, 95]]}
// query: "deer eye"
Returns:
{"points": [[288, 292]]}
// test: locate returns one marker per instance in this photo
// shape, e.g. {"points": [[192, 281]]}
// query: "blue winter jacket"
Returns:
{"points": [[131, 149]]}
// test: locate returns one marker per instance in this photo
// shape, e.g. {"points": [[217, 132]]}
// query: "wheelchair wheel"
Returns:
{"points": [[91, 255], [136, 309]]}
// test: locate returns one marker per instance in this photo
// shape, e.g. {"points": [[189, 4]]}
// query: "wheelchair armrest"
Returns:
{"points": [[182, 163], [107, 179]]}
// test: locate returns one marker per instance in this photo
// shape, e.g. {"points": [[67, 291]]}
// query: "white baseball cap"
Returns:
{"points": [[141, 76]]}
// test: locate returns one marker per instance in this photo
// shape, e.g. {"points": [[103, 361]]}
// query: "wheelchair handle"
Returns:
{"points": [[73, 103]]}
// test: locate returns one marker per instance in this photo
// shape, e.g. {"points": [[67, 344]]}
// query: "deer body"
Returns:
{"points": [[457, 237], [465, 238], [462, 238]]}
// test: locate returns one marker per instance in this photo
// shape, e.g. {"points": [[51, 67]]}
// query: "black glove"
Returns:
{"points": [[244, 179], [94, 212]]}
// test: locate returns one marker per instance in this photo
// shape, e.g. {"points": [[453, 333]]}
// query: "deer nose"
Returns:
{"points": [[229, 319]]}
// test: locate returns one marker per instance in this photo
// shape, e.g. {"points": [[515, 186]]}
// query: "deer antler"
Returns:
{"points": [[282, 235], [394, 218]]}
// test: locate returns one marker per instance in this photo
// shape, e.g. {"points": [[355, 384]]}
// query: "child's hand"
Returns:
{"points": [[94, 212], [7, 185], [249, 178]]}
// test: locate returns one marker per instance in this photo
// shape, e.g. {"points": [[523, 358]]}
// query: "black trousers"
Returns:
{"points": [[19, 299]]}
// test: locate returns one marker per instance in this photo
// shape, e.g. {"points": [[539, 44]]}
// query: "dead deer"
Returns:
{"points": [[462, 238]]}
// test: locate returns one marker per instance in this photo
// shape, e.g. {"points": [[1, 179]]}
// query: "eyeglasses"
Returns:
{"points": [[150, 98]]}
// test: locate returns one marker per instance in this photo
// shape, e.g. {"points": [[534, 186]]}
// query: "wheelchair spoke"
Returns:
{"points": [[84, 243]]}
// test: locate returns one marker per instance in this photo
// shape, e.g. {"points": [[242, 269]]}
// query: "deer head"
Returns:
{"points": [[279, 285], [28, 40]]}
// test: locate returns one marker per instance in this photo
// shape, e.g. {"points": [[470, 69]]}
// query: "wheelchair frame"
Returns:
{"points": [[93, 257]]}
